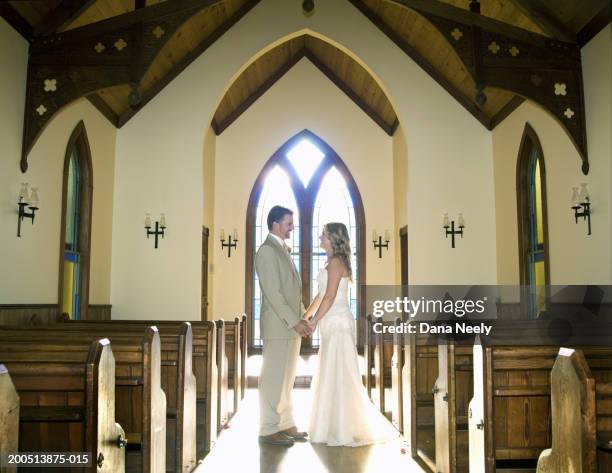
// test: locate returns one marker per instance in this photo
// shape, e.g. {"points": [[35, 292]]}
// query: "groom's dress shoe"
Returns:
{"points": [[295, 435], [279, 438]]}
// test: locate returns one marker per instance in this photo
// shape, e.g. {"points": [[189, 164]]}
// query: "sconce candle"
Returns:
{"points": [[582, 199], [33, 202], [452, 232], [231, 243], [378, 242], [160, 228]]}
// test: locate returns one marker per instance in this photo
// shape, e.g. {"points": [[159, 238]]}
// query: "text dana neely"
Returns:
{"points": [[457, 328]]}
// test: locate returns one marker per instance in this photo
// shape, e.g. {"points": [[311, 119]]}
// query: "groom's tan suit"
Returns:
{"points": [[281, 310]]}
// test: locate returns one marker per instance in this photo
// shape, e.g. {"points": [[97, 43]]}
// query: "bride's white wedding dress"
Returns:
{"points": [[341, 413]]}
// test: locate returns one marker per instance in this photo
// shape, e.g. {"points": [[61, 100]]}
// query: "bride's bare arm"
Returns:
{"points": [[335, 270], [312, 308]]}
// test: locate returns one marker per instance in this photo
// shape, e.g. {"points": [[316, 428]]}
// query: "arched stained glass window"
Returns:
{"points": [[77, 195], [533, 234], [307, 176]]}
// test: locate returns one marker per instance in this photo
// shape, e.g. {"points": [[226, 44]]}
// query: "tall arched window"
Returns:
{"points": [[76, 226], [307, 176], [532, 223]]}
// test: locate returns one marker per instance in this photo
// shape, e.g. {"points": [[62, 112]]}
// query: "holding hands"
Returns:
{"points": [[303, 328]]}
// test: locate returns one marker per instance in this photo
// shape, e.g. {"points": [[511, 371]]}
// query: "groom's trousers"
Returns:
{"points": [[276, 384]]}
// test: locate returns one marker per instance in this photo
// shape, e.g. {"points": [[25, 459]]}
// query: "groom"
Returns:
{"points": [[281, 328]]}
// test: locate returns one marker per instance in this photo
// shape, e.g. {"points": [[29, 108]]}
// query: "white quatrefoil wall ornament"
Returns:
{"points": [[50, 85], [560, 88], [569, 113], [99, 47], [158, 32], [494, 47], [120, 44], [457, 34], [514, 51], [41, 110]]}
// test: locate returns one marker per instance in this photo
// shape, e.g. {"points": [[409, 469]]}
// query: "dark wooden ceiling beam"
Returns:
{"points": [[506, 110], [468, 18], [154, 13], [66, 66], [344, 87], [533, 66], [542, 17], [14, 18], [595, 25], [186, 61], [61, 16], [411, 52], [103, 108]]}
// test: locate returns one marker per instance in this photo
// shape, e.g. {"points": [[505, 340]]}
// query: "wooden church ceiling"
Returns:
{"points": [[489, 61], [338, 66]]}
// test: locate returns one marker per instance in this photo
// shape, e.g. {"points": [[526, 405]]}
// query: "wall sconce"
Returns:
{"points": [[378, 242], [33, 203], [160, 227], [452, 232], [582, 199], [231, 242]]}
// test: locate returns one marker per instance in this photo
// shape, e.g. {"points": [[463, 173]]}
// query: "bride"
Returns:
{"points": [[341, 413]]}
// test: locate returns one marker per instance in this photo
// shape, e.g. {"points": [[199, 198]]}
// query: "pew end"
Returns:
{"points": [[9, 416]]}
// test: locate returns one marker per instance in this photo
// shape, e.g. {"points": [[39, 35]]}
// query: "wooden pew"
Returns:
{"points": [[9, 416], [368, 355], [204, 366], [452, 392], [511, 406], [420, 374], [580, 441], [233, 352], [139, 399], [243, 355], [177, 381], [222, 390], [397, 367], [67, 400]]}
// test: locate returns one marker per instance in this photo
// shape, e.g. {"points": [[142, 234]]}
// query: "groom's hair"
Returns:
{"points": [[276, 214]]}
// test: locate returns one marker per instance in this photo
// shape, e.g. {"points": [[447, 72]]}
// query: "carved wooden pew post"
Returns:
{"points": [[367, 355], [186, 455], [222, 417], [379, 368], [574, 429], [397, 366], [9, 416], [101, 429], [243, 355]]}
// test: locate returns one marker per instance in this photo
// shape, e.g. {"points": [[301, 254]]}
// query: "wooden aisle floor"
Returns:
{"points": [[238, 451]]}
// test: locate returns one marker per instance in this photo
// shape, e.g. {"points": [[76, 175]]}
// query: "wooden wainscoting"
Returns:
{"points": [[41, 314]]}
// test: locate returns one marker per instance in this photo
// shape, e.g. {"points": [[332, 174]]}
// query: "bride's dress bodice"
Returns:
{"points": [[339, 316]]}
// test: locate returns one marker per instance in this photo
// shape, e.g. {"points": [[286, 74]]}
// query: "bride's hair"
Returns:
{"points": [[340, 243]]}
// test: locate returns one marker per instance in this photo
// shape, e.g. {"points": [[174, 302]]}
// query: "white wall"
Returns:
{"points": [[277, 116], [159, 162], [32, 261], [575, 258]]}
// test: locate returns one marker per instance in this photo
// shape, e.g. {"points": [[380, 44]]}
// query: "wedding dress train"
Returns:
{"points": [[342, 413]]}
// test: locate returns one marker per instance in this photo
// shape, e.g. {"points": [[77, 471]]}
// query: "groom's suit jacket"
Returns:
{"points": [[281, 291]]}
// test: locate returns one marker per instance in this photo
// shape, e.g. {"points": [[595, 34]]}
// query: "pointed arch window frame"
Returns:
{"points": [[78, 142], [530, 144], [305, 198]]}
